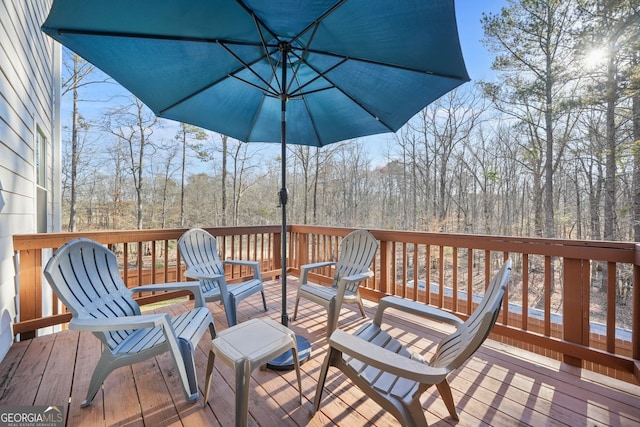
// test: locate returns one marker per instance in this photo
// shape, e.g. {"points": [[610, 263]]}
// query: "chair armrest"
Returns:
{"points": [[193, 287], [354, 278], [241, 262], [318, 265], [118, 323], [386, 360], [358, 277], [255, 265], [198, 273], [304, 269], [416, 308]]}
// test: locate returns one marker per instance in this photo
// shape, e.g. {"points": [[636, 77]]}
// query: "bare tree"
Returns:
{"points": [[244, 164], [134, 125], [449, 121], [189, 137], [531, 39], [78, 73], [164, 181], [223, 192], [116, 189], [610, 34]]}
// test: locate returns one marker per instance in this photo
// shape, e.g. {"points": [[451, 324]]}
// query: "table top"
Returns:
{"points": [[253, 339]]}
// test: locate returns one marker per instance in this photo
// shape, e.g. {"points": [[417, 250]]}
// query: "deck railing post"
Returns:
{"points": [[573, 326], [384, 266], [29, 279], [635, 328], [303, 248], [275, 250]]}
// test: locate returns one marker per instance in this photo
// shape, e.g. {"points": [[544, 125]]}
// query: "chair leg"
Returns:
{"points": [[361, 307], [413, 414], [105, 366], [321, 380], [230, 310], [332, 317], [191, 387], [445, 392], [295, 308], [212, 330], [264, 301]]}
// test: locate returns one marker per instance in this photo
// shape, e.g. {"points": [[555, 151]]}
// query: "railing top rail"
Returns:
{"points": [[399, 263], [54, 240], [579, 249]]}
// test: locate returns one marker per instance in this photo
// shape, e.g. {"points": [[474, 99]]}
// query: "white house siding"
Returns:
{"points": [[29, 100]]}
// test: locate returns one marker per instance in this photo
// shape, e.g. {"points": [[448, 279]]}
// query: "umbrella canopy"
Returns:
{"points": [[355, 67], [309, 72]]}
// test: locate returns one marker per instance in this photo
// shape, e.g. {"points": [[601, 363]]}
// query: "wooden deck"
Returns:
{"points": [[501, 385]]}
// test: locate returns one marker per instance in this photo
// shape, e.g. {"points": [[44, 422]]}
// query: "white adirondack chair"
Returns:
{"points": [[395, 376], [198, 249], [356, 253], [85, 276]]}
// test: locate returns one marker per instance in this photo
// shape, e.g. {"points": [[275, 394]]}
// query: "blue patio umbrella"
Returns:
{"points": [[287, 71]]}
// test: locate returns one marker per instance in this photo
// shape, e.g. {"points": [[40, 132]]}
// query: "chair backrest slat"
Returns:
{"points": [[357, 250], [86, 278], [198, 247], [457, 347]]}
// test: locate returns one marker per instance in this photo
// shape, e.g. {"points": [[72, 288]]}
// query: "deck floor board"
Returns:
{"points": [[500, 386]]}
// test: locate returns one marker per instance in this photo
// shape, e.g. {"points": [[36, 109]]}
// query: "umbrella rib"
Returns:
{"points": [[300, 92], [301, 57], [267, 89], [167, 37], [259, 24], [385, 64], [255, 120], [332, 9], [248, 66], [313, 122], [355, 101], [317, 21], [257, 19], [222, 42]]}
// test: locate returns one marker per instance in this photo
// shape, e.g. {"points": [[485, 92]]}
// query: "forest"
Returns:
{"points": [[549, 148]]}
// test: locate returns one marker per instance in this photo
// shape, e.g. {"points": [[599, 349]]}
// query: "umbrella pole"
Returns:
{"points": [[283, 195], [285, 360], [283, 180]]}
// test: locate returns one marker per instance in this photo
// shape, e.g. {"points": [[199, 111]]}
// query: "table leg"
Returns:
{"points": [[296, 362], [243, 378], [207, 385]]}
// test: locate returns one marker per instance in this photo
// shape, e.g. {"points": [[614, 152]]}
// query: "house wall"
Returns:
{"points": [[29, 106]]}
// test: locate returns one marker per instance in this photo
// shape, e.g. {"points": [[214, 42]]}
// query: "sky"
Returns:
{"points": [[477, 58]]}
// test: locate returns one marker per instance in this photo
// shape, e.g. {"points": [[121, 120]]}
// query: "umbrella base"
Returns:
{"points": [[284, 362]]}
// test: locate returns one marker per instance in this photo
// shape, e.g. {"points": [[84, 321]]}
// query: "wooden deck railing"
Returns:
{"points": [[556, 281], [145, 256]]}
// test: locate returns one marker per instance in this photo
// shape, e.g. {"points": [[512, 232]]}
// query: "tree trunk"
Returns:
{"points": [[223, 191], [549, 222], [610, 163], [74, 147], [316, 179], [635, 108], [182, 172]]}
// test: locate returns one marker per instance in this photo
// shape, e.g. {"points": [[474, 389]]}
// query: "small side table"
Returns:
{"points": [[246, 346]]}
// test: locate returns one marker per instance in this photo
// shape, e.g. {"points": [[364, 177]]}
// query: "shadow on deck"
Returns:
{"points": [[501, 385]]}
